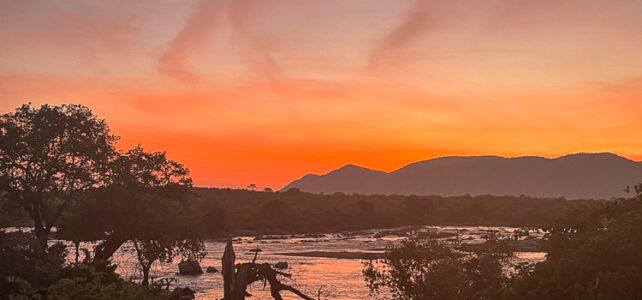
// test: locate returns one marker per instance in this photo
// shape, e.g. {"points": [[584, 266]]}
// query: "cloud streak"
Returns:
{"points": [[239, 13], [173, 62], [207, 15], [86, 29], [417, 21]]}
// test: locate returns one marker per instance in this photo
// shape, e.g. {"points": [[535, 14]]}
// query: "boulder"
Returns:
{"points": [[189, 267], [211, 270], [182, 294], [281, 265]]}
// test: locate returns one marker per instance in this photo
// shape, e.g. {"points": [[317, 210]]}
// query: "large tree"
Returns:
{"points": [[146, 204], [49, 157], [152, 193]]}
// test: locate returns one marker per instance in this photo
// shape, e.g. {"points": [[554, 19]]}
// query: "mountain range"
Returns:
{"points": [[573, 176]]}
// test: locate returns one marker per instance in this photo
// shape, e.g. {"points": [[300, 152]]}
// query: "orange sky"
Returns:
{"points": [[264, 92]]}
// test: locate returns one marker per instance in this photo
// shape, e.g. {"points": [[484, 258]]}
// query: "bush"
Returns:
{"points": [[23, 261], [593, 253], [427, 268], [30, 272], [98, 281]]}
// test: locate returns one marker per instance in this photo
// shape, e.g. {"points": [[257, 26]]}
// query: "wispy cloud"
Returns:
{"points": [[87, 28], [207, 16], [259, 55], [203, 20], [416, 22]]}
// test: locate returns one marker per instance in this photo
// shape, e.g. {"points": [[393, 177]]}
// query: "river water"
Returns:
{"points": [[336, 278]]}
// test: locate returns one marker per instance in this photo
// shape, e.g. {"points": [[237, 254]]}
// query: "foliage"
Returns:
{"points": [[213, 217], [150, 251], [49, 156], [145, 203], [593, 253], [427, 268], [23, 259], [90, 281], [276, 214], [137, 168], [418, 209], [31, 273], [300, 212], [54, 158], [227, 211]]}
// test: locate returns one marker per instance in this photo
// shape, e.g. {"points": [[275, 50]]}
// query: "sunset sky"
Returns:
{"points": [[265, 92]]}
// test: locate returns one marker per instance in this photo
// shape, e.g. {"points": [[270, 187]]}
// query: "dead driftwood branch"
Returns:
{"points": [[237, 277]]}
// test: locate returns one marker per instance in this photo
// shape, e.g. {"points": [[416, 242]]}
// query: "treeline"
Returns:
{"points": [[225, 211], [220, 212]]}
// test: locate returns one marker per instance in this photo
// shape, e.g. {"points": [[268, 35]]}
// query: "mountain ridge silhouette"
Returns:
{"points": [[574, 176]]}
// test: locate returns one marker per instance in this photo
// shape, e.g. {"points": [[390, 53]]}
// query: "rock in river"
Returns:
{"points": [[281, 265], [211, 270], [189, 267]]}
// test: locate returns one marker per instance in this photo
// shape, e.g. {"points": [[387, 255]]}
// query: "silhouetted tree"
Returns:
{"points": [[365, 208], [165, 250], [276, 213], [214, 216], [143, 184], [427, 268], [293, 190], [593, 253], [146, 203], [365, 214], [49, 157], [419, 209]]}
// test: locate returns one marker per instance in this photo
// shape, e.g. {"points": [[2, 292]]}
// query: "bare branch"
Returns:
{"points": [[236, 282]]}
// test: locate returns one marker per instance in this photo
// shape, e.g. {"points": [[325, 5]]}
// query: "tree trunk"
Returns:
{"points": [[107, 248], [42, 235], [77, 246], [32, 203], [146, 275], [228, 265]]}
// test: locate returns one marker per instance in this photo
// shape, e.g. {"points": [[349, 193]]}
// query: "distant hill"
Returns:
{"points": [[574, 176]]}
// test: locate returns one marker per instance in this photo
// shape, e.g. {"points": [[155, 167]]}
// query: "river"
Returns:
{"points": [[338, 278], [341, 278]]}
